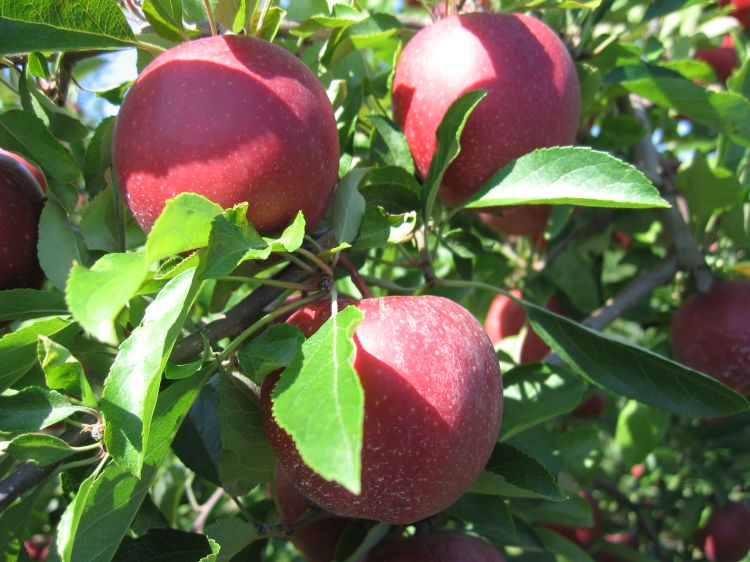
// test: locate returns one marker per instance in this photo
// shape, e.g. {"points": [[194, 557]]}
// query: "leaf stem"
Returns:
{"points": [[323, 266], [210, 16], [84, 462], [302, 264], [356, 276], [156, 49]]}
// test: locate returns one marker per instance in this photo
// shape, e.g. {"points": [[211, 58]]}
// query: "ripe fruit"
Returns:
{"points": [[722, 59], [726, 536], [592, 407], [741, 10], [21, 201], [583, 536], [519, 220], [38, 175], [233, 119], [316, 540], [436, 547], [433, 403], [533, 95], [711, 333]]}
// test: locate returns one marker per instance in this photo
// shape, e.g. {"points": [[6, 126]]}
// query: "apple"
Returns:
{"points": [[433, 405], [741, 10], [711, 333], [533, 98], [316, 540], [233, 119], [37, 547], [723, 60], [726, 536], [583, 536], [435, 547], [592, 406], [519, 220], [38, 175], [21, 202]]}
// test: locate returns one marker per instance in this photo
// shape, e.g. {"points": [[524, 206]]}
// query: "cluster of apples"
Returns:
{"points": [[723, 59]]}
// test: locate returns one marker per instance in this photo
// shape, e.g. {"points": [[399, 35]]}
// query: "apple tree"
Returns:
{"points": [[382, 281]]}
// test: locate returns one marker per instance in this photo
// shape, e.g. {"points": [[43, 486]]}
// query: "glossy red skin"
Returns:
{"points": [[711, 333], [533, 96], [233, 119], [629, 540], [519, 220], [534, 349], [592, 407], [38, 175], [436, 547], [726, 536], [317, 540], [21, 202], [433, 405], [584, 537], [722, 59], [741, 10], [505, 317]]}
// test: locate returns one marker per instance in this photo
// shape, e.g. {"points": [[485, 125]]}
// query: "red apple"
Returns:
{"points": [[435, 547], [726, 536], [583, 536], [534, 348], [21, 202], [711, 333], [433, 405], [533, 95], [591, 407], [316, 540], [723, 60], [38, 175], [505, 317], [741, 10], [233, 119], [519, 220]]}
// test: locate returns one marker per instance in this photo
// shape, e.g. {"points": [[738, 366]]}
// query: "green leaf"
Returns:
{"points": [[489, 515], [98, 157], [14, 521], [640, 430], [164, 545], [99, 223], [512, 473], [271, 23], [246, 456], [18, 349], [632, 371], [233, 535], [105, 507], [448, 143], [379, 229], [61, 122], [319, 401], [62, 371], [270, 351], [291, 238], [40, 448], [50, 25], [25, 304], [232, 240], [707, 189], [184, 224], [535, 393], [389, 146], [97, 295], [567, 550], [568, 175], [130, 391], [58, 247], [348, 206], [165, 16], [371, 31], [32, 409]]}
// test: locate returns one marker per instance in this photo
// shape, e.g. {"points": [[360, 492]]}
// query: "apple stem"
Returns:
{"points": [[356, 277], [210, 16]]}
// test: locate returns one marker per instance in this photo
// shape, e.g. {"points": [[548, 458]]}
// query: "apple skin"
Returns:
{"points": [[726, 536], [433, 406], [711, 333], [741, 10], [592, 406], [317, 540], [584, 537], [38, 175], [722, 59], [435, 547], [233, 119], [533, 98], [519, 220], [21, 202]]}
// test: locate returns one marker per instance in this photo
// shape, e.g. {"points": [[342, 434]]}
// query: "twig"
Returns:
{"points": [[210, 16], [356, 276], [205, 510]]}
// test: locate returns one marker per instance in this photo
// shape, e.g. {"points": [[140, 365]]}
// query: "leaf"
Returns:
{"points": [[379, 229], [32, 409], [50, 25], [62, 371], [18, 349], [568, 175], [105, 508], [448, 145], [489, 515], [271, 23], [319, 401], [97, 295], [232, 240], [58, 247], [512, 473], [98, 157], [14, 521], [291, 238], [707, 189], [535, 393], [632, 371], [270, 351], [371, 31], [40, 449], [164, 545], [389, 146], [348, 206], [99, 223], [246, 456], [233, 535], [131, 387], [567, 550], [165, 16], [184, 224], [640, 430], [25, 304]]}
